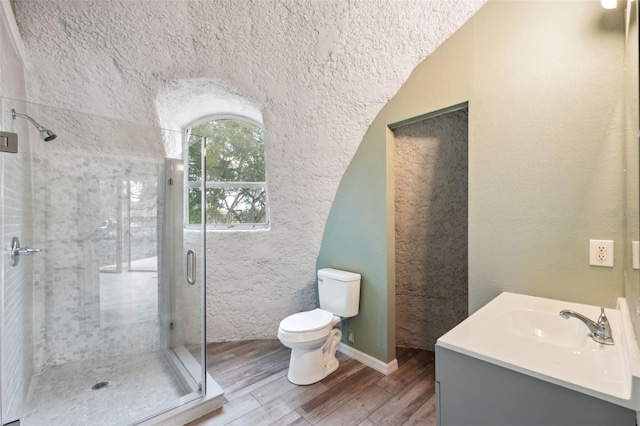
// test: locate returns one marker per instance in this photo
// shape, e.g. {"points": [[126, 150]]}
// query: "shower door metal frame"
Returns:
{"points": [[203, 287]]}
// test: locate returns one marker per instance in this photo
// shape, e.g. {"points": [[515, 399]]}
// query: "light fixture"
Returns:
{"points": [[609, 4]]}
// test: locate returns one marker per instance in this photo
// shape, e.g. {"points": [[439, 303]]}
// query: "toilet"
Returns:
{"points": [[311, 335]]}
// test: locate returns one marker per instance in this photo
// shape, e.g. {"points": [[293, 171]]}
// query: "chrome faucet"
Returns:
{"points": [[599, 331]]}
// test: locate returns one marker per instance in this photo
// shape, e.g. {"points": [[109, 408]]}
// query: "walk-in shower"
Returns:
{"points": [[101, 326]]}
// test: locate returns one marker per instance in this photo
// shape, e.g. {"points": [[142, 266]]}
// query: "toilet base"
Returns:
{"points": [[310, 366]]}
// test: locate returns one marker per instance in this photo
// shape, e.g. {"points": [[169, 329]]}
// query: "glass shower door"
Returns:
{"points": [[185, 305]]}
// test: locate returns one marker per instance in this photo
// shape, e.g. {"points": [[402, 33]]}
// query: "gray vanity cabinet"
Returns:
{"points": [[473, 392]]}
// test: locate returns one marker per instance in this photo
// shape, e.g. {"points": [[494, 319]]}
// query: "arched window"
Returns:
{"points": [[232, 148]]}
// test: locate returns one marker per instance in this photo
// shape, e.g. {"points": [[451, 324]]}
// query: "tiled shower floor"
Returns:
{"points": [[62, 395]]}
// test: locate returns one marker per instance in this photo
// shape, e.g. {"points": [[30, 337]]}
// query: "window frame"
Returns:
{"points": [[220, 227]]}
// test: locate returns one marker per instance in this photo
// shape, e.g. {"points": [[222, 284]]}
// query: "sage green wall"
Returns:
{"points": [[362, 214], [632, 276], [544, 86]]}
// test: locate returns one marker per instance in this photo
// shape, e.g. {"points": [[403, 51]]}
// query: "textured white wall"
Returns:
{"points": [[16, 284], [431, 208], [321, 70]]}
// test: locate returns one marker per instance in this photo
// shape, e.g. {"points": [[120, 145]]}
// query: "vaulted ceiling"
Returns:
{"points": [[313, 59]]}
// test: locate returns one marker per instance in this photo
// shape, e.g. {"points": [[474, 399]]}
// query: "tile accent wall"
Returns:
{"points": [[431, 228], [76, 218], [16, 345], [16, 211]]}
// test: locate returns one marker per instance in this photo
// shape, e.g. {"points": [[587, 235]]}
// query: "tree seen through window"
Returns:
{"points": [[235, 181]]}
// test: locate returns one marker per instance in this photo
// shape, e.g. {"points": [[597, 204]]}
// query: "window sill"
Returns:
{"points": [[233, 228]]}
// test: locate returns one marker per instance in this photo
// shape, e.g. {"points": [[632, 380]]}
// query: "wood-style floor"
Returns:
{"points": [[257, 392]]}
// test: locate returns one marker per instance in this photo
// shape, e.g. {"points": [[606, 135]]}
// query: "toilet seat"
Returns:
{"points": [[306, 322]]}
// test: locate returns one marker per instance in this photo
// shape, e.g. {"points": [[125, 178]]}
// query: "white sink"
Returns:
{"points": [[528, 335], [545, 327]]}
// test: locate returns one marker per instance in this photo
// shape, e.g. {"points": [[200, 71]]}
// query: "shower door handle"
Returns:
{"points": [[191, 267]]}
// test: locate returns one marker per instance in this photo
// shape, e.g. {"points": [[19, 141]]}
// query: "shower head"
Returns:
{"points": [[45, 134]]}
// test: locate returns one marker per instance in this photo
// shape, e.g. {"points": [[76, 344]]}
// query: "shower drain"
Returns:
{"points": [[100, 385]]}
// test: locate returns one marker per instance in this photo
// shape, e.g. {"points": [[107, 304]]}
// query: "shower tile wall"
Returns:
{"points": [[431, 228], [17, 345], [72, 216], [15, 221]]}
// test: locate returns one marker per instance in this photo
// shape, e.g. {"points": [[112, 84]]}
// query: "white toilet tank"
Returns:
{"points": [[339, 292]]}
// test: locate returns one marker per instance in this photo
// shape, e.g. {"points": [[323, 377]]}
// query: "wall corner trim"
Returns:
{"points": [[368, 360], [14, 33], [432, 114]]}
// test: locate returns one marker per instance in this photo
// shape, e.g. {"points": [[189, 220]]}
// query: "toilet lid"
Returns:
{"points": [[306, 321]]}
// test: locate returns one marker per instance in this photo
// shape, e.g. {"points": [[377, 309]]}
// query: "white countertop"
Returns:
{"points": [[526, 334]]}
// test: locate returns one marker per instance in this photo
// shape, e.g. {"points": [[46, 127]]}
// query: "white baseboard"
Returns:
{"points": [[368, 360]]}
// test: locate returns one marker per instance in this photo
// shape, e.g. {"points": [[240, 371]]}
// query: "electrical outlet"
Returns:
{"points": [[601, 253], [351, 336]]}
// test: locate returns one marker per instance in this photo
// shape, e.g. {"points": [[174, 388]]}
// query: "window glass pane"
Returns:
{"points": [[195, 203], [235, 151], [236, 205], [195, 158]]}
